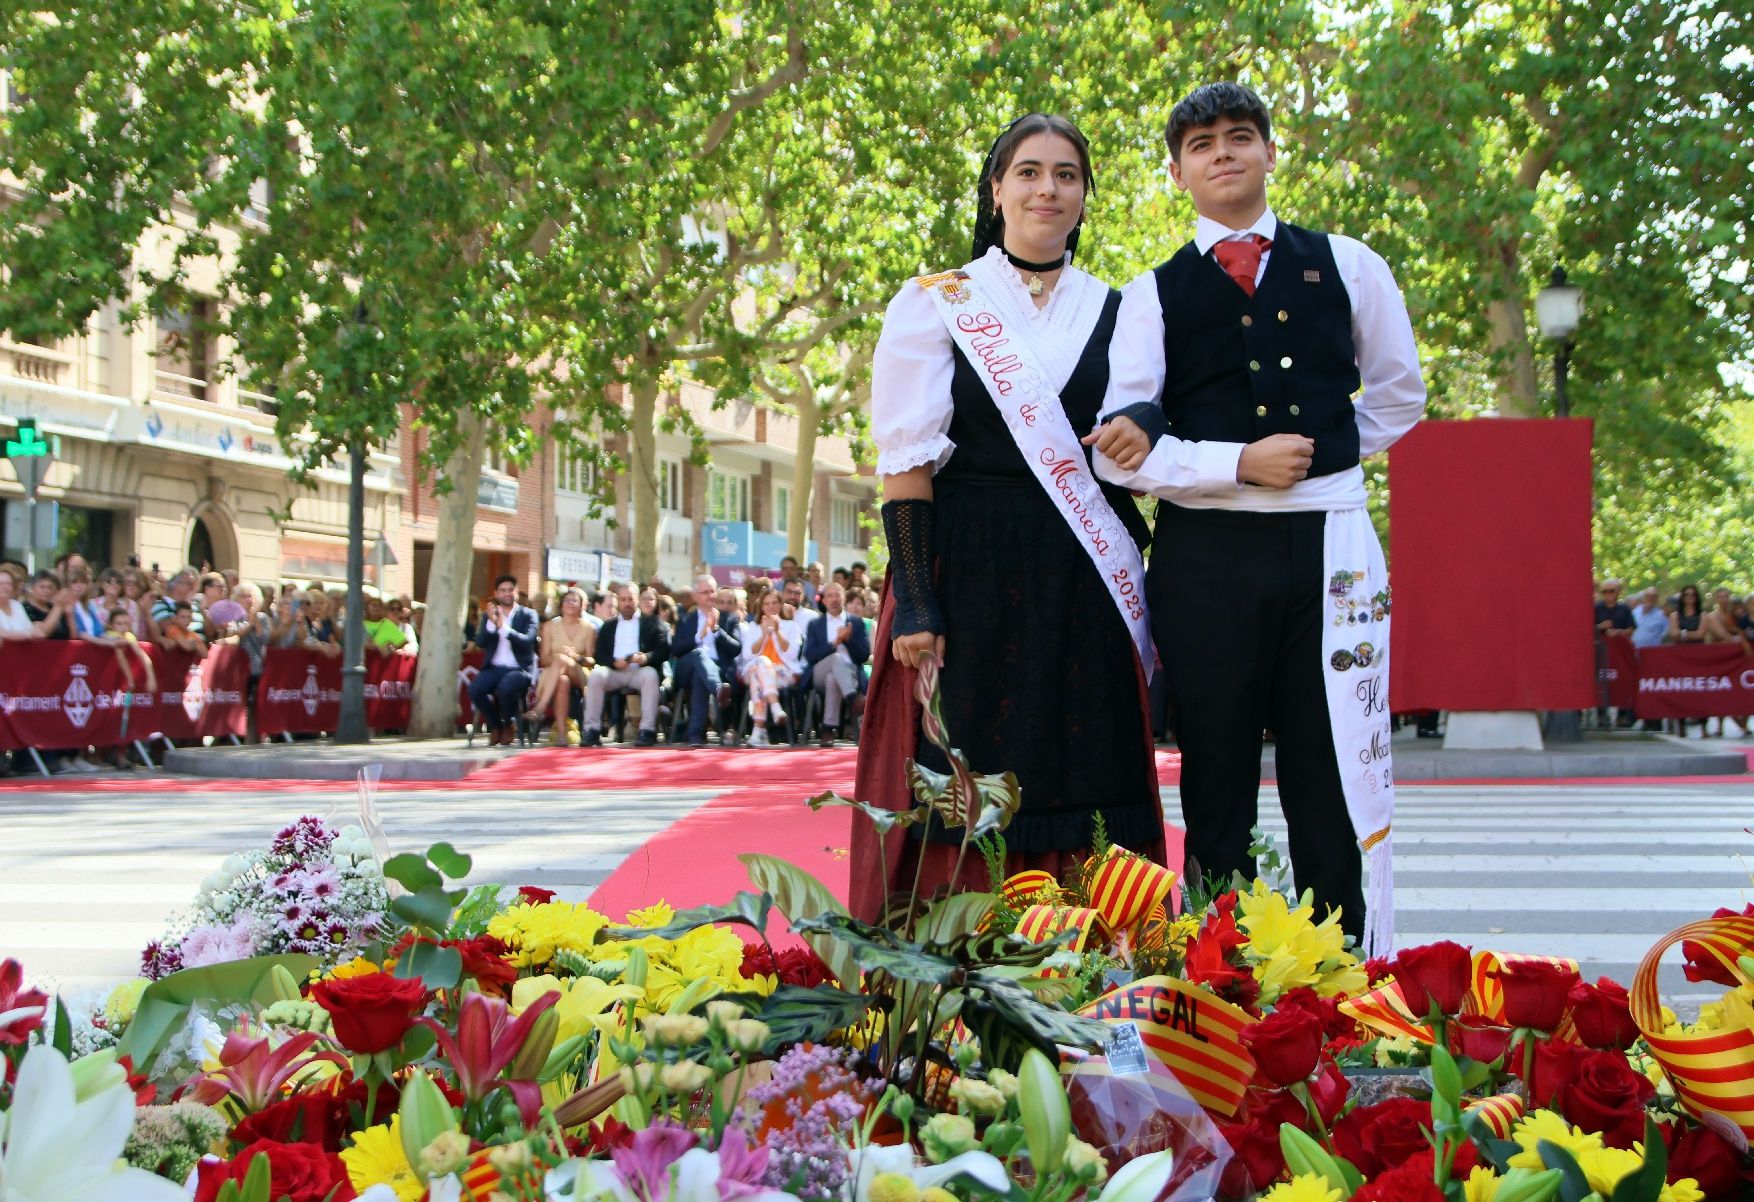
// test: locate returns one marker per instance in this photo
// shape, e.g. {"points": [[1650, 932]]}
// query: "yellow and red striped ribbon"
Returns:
{"points": [[1187, 1030], [1385, 1011], [1126, 887], [1041, 923], [1022, 886], [1713, 1072], [1500, 1112]]}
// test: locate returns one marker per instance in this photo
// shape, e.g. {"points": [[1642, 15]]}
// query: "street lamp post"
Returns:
{"points": [[1558, 308]]}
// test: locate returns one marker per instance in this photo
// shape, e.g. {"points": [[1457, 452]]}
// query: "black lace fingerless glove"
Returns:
{"points": [[908, 526]]}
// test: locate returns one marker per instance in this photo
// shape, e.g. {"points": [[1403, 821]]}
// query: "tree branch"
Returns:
{"points": [[790, 72]]}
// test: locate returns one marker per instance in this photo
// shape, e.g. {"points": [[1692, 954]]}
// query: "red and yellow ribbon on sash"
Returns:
{"points": [[1712, 1071], [1190, 1032], [1500, 1112], [1125, 888]]}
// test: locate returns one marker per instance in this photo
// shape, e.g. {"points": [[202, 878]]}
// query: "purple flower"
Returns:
{"points": [[216, 944], [160, 960], [644, 1163], [306, 837]]}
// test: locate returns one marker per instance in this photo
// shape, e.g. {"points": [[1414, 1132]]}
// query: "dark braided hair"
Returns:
{"points": [[989, 223]]}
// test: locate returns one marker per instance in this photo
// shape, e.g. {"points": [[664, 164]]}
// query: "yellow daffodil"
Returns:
{"points": [[1481, 1185], [1547, 1125], [377, 1158], [1305, 1187]]}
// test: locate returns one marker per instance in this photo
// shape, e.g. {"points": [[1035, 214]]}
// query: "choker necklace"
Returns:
{"points": [[1036, 285]]}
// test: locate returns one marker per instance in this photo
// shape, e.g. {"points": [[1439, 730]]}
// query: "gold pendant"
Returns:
{"points": [[1035, 285]]}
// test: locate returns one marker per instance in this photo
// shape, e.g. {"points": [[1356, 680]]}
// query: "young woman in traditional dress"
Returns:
{"points": [[1008, 561]]}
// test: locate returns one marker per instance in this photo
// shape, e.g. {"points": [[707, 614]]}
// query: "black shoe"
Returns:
{"points": [[696, 744], [827, 736], [647, 738], [591, 738]]}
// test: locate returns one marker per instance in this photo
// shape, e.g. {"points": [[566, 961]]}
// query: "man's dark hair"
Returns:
{"points": [[1210, 103], [593, 599], [183, 607], [508, 578], [45, 574], [788, 560], [859, 566]]}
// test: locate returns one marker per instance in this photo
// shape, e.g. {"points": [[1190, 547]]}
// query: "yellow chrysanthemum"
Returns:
{"points": [[1181, 930], [536, 932], [1546, 1125], [359, 966], [377, 1158], [1305, 1187], [1388, 1047], [654, 915], [1268, 919], [1736, 1009], [1481, 1185]]}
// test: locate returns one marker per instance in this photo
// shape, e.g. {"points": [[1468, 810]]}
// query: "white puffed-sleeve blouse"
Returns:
{"points": [[915, 361]]}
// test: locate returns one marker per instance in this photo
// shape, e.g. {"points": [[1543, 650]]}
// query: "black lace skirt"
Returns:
{"points": [[1040, 675]]}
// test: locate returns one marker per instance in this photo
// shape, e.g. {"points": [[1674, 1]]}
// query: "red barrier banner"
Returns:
{"points": [[1620, 671], [300, 690], [299, 693], [1695, 681], [64, 694], [202, 695], [389, 690]]}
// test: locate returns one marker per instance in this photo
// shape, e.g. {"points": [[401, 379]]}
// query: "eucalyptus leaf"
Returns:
{"points": [[412, 872], [437, 966], [449, 860]]}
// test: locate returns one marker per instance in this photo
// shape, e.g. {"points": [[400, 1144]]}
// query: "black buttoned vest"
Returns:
{"points": [[1282, 361]]}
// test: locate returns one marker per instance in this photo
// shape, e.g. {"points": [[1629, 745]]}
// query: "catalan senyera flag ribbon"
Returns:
{"points": [[1500, 1112], [1042, 922], [1125, 888], [1713, 1071], [1022, 886], [1385, 1010], [1187, 1030]]}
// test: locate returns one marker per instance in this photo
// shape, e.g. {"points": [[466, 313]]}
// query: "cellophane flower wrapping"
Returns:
{"points": [[1129, 1115]]}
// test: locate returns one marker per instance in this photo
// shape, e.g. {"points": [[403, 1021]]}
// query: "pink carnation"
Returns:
{"points": [[217, 944]]}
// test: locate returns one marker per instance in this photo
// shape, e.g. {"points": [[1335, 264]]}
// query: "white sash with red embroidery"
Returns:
{"points": [[998, 346]]}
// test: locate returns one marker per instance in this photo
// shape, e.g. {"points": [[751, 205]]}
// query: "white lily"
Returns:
{"points": [[1140, 1180], [55, 1147], [981, 1167]]}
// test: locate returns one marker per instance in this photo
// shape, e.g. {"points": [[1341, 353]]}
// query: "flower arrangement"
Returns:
{"points": [[313, 890]]}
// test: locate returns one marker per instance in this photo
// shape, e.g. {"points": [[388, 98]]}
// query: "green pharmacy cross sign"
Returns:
{"points": [[29, 443], [31, 455]]}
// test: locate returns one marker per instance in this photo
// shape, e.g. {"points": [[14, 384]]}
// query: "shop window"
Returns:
{"points": [[782, 508], [574, 471], [670, 485]]}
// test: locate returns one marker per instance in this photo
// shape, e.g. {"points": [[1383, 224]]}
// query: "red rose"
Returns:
{"points": [[1701, 965], [1474, 1037], [1325, 1010], [308, 1118], [1376, 968], [1258, 1161], [535, 895], [1535, 993], [1409, 1182], [1606, 1094], [370, 1014], [1380, 1137], [1329, 1091], [1556, 1063], [1437, 972], [1285, 1045], [296, 1172], [1602, 1014], [1722, 1172]]}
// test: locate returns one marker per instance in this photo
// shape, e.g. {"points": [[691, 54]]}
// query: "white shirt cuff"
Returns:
{"points": [[1216, 467], [935, 451]]}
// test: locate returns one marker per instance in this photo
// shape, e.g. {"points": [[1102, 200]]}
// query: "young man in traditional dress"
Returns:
{"points": [[1233, 372]]}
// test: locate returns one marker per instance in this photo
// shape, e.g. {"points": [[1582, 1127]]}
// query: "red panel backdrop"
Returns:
{"points": [[1489, 552]]}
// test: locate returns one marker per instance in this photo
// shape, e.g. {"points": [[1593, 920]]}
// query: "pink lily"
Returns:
{"points": [[21, 1010], [488, 1039], [255, 1073]]}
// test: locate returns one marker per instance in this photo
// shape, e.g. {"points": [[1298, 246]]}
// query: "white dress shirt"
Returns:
{"points": [[626, 638], [832, 626], [503, 655], [1202, 475], [915, 357]]}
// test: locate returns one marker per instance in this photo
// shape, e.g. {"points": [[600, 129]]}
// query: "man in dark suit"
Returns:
{"points": [[631, 647], [835, 644], [694, 654], [727, 646], [507, 635]]}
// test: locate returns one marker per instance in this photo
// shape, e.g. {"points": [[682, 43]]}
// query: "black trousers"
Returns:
{"points": [[1237, 606]]}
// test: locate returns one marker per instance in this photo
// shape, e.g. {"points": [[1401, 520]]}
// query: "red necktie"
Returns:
{"points": [[1241, 259]]}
